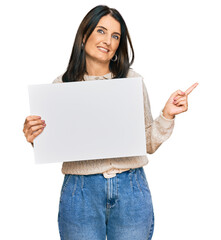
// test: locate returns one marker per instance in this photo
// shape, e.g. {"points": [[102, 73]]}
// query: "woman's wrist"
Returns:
{"points": [[167, 115]]}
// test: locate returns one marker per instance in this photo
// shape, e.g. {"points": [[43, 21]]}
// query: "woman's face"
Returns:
{"points": [[104, 40]]}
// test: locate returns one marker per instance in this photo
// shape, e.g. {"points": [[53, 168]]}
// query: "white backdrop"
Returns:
{"points": [[177, 43]]}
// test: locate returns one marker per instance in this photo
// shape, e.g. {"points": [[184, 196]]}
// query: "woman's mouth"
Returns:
{"points": [[103, 49]]}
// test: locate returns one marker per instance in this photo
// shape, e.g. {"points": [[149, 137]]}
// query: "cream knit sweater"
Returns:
{"points": [[157, 131]]}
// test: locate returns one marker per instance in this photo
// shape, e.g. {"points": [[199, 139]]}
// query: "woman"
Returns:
{"points": [[108, 196]]}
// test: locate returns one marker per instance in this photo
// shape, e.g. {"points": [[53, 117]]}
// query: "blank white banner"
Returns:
{"points": [[88, 120]]}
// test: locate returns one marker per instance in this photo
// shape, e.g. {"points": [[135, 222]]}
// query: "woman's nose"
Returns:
{"points": [[107, 40]]}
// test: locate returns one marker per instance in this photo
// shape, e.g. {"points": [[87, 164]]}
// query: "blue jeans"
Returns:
{"points": [[93, 207]]}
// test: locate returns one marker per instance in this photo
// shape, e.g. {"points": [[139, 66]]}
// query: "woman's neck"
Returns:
{"points": [[97, 68]]}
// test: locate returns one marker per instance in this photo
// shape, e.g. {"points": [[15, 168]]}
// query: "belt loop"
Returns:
{"points": [[132, 170]]}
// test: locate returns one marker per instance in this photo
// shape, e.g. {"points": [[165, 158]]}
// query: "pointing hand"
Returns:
{"points": [[177, 103]]}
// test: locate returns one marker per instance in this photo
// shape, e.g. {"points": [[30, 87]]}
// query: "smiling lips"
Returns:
{"points": [[105, 50]]}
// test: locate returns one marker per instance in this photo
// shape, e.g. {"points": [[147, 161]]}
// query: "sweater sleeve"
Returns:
{"points": [[157, 131]]}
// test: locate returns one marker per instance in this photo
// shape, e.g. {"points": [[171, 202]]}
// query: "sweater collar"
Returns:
{"points": [[106, 76]]}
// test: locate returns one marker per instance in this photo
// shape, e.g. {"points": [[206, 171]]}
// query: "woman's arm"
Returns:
{"points": [[158, 130]]}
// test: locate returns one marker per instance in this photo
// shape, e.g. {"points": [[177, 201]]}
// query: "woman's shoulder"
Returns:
{"points": [[58, 79], [131, 73]]}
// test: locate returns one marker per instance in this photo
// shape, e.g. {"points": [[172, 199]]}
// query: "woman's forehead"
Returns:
{"points": [[110, 23]]}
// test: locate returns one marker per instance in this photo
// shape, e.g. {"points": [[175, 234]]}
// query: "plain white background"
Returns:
{"points": [[176, 43]]}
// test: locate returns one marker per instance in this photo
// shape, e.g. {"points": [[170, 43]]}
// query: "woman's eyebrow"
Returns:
{"points": [[106, 30]]}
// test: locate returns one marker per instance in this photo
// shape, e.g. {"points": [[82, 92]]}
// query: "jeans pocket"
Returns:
{"points": [[143, 177], [135, 180], [64, 185]]}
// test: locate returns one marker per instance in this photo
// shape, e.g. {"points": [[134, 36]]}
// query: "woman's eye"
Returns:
{"points": [[116, 37], [100, 31]]}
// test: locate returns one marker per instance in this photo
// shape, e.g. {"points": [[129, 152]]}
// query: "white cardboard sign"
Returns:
{"points": [[88, 120]]}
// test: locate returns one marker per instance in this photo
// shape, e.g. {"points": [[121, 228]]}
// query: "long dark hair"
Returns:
{"points": [[77, 63]]}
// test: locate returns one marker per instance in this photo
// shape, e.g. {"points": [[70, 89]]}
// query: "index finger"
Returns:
{"points": [[32, 117], [190, 89]]}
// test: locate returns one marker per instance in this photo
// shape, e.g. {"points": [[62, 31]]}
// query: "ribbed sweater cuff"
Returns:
{"points": [[165, 122]]}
